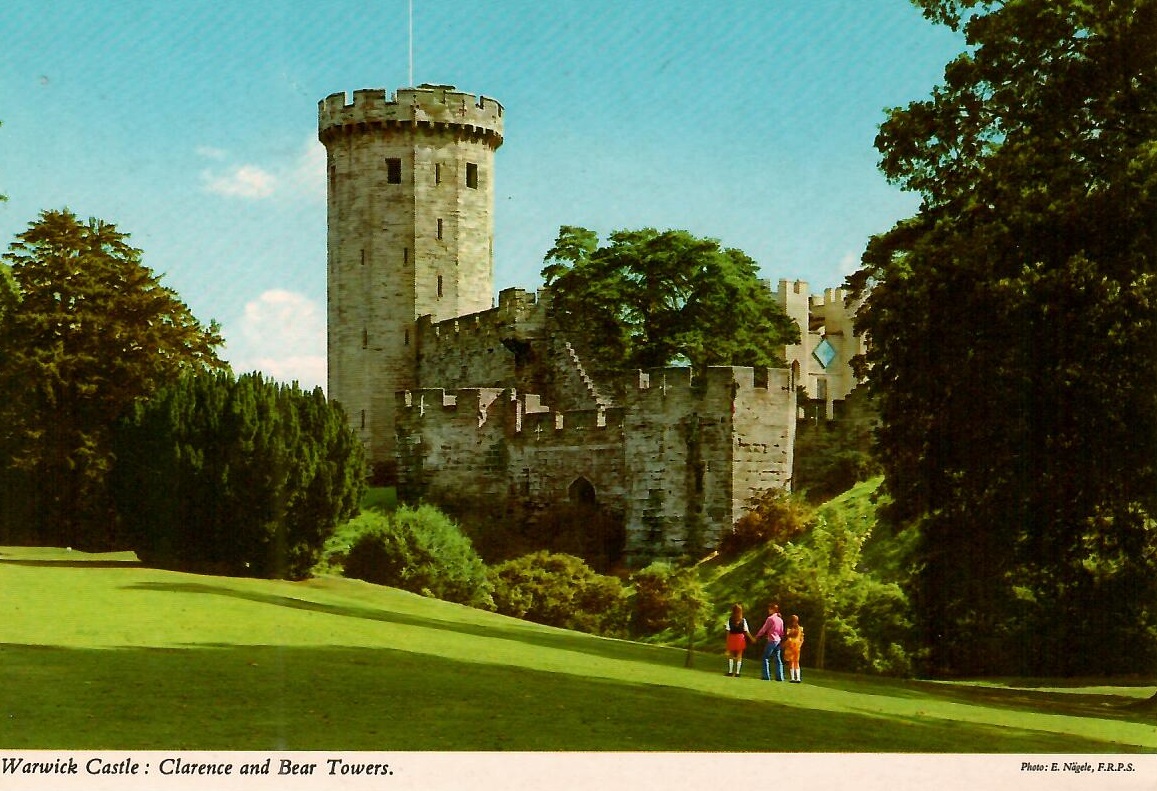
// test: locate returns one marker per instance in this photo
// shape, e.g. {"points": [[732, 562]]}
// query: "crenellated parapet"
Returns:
{"points": [[519, 416], [516, 314], [434, 106], [830, 297], [726, 380]]}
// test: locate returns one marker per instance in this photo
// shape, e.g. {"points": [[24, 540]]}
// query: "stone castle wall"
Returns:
{"points": [[469, 402], [486, 349], [676, 460]]}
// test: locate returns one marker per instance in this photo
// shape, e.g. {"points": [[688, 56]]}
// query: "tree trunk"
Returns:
{"points": [[823, 640]]}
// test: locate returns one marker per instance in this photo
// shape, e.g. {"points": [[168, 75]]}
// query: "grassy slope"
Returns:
{"points": [[102, 653], [750, 577]]}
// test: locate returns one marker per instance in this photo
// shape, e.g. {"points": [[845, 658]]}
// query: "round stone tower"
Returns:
{"points": [[411, 227]]}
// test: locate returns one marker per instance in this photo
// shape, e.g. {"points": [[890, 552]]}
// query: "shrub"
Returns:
{"points": [[775, 515], [560, 590], [234, 476], [504, 531], [380, 498], [420, 550]]}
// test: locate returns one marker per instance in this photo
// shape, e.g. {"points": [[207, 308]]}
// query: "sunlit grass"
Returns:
{"points": [[99, 652]]}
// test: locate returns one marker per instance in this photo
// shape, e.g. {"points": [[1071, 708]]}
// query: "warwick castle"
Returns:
{"points": [[464, 402]]}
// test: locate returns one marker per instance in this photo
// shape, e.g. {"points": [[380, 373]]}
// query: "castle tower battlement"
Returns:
{"points": [[410, 213], [440, 106]]}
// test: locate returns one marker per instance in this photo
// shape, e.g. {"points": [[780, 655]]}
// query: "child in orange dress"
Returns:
{"points": [[792, 643], [737, 637]]}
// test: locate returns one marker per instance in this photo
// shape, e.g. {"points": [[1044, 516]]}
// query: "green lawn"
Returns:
{"points": [[100, 653]]}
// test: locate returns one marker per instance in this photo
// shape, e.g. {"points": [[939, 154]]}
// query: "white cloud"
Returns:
{"points": [[281, 334], [301, 176], [243, 181]]}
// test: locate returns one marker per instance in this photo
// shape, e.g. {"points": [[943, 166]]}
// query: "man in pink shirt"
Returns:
{"points": [[772, 629]]}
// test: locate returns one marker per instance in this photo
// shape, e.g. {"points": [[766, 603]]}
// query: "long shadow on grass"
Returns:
{"points": [[269, 697], [72, 564], [518, 631], [1043, 701]]}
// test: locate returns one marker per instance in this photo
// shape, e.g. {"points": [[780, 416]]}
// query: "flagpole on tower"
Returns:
{"points": [[411, 82]]}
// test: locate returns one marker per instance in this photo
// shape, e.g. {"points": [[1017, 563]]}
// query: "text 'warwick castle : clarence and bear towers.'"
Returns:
{"points": [[473, 405]]}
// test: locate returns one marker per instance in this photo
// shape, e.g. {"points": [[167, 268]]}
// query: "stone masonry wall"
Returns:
{"points": [[763, 433], [491, 348], [486, 444], [678, 459], [410, 233]]}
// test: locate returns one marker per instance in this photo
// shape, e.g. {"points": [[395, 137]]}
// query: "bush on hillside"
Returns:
{"points": [[874, 633], [380, 498], [245, 477], [560, 590], [839, 471], [868, 627], [419, 550], [651, 603], [775, 515]]}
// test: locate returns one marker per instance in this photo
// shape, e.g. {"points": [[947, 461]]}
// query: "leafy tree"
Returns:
{"points": [[1014, 338], [651, 602], [234, 476], [823, 568], [857, 619], [86, 330], [560, 590], [666, 597], [420, 550], [690, 607], [653, 298]]}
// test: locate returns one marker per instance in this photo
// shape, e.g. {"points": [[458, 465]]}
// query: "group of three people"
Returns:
{"points": [[783, 644]]}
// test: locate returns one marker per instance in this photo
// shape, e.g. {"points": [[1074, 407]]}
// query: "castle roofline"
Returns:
{"points": [[426, 105]]}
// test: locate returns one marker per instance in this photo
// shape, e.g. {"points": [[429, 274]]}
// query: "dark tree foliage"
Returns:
{"points": [[1014, 338], [653, 298], [86, 330], [243, 476]]}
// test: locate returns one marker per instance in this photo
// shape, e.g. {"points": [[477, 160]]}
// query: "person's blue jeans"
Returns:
{"points": [[773, 650]]}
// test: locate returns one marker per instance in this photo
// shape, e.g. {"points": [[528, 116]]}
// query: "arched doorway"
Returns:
{"points": [[582, 492], [587, 528]]}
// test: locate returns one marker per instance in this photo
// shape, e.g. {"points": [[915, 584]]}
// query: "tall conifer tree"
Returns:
{"points": [[86, 330]]}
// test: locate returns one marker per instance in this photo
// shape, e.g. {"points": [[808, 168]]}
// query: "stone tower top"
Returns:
{"points": [[436, 105]]}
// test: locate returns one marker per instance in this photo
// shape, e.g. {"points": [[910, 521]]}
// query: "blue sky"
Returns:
{"points": [[192, 126]]}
